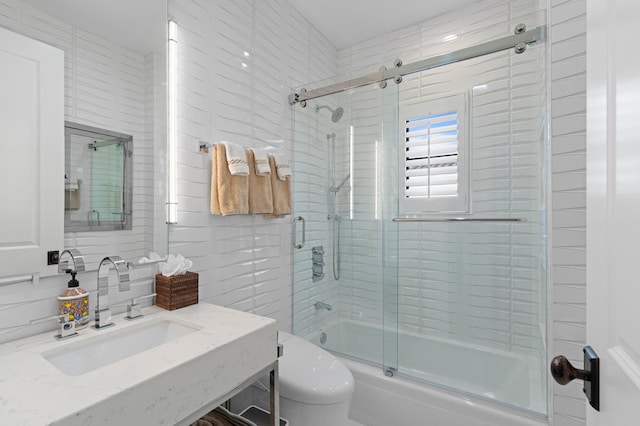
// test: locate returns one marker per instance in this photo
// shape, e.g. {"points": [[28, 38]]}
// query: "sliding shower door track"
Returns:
{"points": [[517, 41]]}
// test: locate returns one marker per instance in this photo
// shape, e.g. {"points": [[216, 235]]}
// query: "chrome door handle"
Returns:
{"points": [[295, 229], [563, 372]]}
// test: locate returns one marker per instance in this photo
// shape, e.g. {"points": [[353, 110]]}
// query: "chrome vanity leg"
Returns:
{"points": [[274, 388]]}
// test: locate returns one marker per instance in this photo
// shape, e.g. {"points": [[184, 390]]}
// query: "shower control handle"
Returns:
{"points": [[563, 372]]}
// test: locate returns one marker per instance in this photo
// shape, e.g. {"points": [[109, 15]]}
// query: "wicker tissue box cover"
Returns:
{"points": [[177, 291]]}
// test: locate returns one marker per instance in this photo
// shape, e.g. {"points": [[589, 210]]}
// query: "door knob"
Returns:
{"points": [[563, 372]]}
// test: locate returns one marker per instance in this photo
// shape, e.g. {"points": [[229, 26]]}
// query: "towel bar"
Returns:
{"points": [[18, 279], [459, 219]]}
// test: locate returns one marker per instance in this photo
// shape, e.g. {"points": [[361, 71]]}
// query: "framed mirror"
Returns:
{"points": [[97, 179], [115, 96]]}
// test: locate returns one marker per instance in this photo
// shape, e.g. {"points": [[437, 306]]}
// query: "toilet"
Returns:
{"points": [[315, 386]]}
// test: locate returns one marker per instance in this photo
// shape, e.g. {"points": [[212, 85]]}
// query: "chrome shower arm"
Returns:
{"points": [[341, 184]]}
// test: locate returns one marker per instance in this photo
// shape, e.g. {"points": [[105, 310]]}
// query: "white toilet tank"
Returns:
{"points": [[315, 387]]}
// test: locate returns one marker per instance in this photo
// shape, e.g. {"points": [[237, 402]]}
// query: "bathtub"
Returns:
{"points": [[399, 401]]}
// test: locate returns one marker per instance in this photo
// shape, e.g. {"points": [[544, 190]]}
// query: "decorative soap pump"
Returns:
{"points": [[74, 302]]}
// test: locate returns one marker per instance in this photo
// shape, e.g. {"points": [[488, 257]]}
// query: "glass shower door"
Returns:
{"points": [[341, 156], [471, 277], [452, 294]]}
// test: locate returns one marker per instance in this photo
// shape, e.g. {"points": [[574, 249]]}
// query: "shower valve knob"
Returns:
{"points": [[563, 373]]}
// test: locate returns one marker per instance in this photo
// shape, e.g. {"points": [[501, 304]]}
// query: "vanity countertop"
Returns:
{"points": [[160, 386]]}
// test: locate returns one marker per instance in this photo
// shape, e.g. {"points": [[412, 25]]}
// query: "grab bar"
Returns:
{"points": [[90, 214], [17, 279], [459, 219], [304, 231]]}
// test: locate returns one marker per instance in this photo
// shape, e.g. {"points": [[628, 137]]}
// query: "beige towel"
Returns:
{"points": [[201, 422], [223, 417], [260, 195], [72, 198], [262, 162], [236, 159], [229, 193], [213, 420], [281, 190], [282, 165]]}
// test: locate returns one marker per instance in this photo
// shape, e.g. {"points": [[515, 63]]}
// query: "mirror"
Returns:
{"points": [[97, 179], [115, 86]]}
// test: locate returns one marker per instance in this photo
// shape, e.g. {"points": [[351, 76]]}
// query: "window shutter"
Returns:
{"points": [[433, 160], [431, 156]]}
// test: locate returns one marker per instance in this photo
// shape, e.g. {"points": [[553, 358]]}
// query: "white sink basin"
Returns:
{"points": [[116, 344], [164, 368]]}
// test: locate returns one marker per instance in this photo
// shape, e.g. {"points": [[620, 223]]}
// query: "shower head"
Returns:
{"points": [[336, 114]]}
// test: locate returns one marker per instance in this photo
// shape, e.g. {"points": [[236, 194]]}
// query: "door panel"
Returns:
{"points": [[613, 200], [32, 153]]}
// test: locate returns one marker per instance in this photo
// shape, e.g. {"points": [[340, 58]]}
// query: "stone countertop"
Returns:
{"points": [[160, 386]]}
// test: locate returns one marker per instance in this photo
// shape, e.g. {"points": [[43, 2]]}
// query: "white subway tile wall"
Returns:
{"points": [[238, 62], [568, 223]]}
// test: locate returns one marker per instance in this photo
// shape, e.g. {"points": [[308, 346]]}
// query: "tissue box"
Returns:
{"points": [[177, 291]]}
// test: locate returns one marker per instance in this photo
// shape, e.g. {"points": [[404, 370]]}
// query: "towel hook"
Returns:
{"points": [[204, 147]]}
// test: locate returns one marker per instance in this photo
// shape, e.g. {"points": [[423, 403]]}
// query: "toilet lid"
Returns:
{"points": [[311, 375]]}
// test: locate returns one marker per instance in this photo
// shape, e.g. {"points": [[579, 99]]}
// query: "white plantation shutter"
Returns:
{"points": [[431, 156], [433, 133]]}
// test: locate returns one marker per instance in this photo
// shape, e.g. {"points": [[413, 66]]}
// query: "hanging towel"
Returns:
{"points": [[229, 193], [281, 190], [282, 166], [71, 185], [223, 417], [72, 198], [262, 162], [236, 159], [260, 195], [201, 422]]}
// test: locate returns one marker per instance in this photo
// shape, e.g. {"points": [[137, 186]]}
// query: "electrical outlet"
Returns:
{"points": [[53, 257]]}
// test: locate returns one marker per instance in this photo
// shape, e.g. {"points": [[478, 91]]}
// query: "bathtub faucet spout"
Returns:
{"points": [[322, 305]]}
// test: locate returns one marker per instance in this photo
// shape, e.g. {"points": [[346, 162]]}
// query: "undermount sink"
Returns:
{"points": [[169, 367], [116, 344]]}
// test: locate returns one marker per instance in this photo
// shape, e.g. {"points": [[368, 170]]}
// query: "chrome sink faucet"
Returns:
{"points": [[103, 315], [76, 258], [134, 310], [66, 329]]}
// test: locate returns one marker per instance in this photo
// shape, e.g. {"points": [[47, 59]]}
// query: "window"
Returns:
{"points": [[433, 158]]}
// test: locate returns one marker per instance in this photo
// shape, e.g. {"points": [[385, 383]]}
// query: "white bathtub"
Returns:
{"points": [[396, 401]]}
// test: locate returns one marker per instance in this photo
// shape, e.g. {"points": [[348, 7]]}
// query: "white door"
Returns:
{"points": [[31, 155], [613, 207]]}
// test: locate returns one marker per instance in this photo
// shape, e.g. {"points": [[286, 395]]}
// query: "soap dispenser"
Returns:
{"points": [[74, 302]]}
